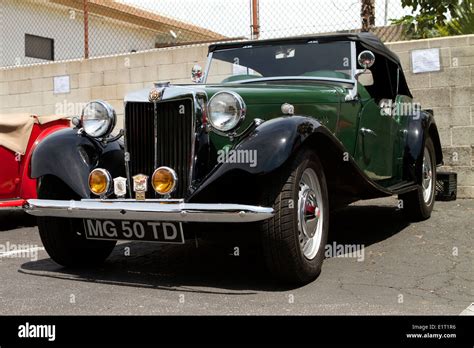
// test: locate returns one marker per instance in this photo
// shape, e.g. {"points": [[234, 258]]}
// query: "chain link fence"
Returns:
{"points": [[280, 18], [34, 31]]}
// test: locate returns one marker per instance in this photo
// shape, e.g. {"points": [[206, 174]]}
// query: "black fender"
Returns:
{"points": [[276, 141], [419, 128], [71, 156]]}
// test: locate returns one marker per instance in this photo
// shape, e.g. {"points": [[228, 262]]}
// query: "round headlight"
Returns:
{"points": [[98, 119], [164, 180], [226, 110], [99, 181]]}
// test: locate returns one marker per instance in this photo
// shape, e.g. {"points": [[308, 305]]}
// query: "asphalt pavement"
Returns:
{"points": [[380, 264]]}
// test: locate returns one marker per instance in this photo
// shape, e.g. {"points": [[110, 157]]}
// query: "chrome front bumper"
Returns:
{"points": [[149, 210]]}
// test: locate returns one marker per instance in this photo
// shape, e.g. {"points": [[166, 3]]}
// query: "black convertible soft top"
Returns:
{"points": [[367, 40]]}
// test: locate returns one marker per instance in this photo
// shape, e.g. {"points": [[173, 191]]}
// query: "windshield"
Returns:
{"points": [[327, 60]]}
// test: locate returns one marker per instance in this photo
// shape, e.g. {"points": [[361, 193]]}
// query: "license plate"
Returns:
{"points": [[151, 231]]}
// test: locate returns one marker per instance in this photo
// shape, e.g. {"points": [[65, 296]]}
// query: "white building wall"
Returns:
{"points": [[65, 26]]}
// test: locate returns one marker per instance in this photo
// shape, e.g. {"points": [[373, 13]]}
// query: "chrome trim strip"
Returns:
{"points": [[295, 78], [353, 93], [2, 209], [125, 147], [148, 200], [353, 61], [147, 210], [155, 133], [208, 66], [195, 106]]}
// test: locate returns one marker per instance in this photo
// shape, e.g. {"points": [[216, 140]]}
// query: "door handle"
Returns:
{"points": [[366, 131]]}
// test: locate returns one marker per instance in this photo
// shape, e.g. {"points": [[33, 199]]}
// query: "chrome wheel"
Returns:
{"points": [[427, 180], [295, 237], [310, 214]]}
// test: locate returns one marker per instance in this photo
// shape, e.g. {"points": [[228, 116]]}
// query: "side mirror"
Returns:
{"points": [[196, 74], [366, 59]]}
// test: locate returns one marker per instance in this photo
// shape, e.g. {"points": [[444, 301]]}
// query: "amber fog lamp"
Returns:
{"points": [[99, 181], [164, 180]]}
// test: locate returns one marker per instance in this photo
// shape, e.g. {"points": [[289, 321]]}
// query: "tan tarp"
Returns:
{"points": [[15, 129]]}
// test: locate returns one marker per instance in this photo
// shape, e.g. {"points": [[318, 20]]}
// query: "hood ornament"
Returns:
{"points": [[196, 74]]}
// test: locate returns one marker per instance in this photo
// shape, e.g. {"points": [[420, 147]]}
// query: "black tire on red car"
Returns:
{"points": [[294, 239], [63, 238], [418, 204]]}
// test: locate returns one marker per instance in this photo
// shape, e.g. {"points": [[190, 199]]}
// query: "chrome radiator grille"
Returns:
{"points": [[174, 140]]}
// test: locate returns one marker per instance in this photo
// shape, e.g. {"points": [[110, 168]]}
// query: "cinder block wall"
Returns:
{"points": [[30, 89], [450, 92]]}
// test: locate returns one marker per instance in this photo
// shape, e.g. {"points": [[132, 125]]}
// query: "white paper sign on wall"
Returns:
{"points": [[426, 60], [61, 84]]}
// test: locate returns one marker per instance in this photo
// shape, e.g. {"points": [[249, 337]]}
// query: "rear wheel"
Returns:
{"points": [[63, 238], [418, 204], [294, 239]]}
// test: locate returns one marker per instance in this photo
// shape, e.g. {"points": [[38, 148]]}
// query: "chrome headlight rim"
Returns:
{"points": [[108, 181], [241, 116], [111, 115], [173, 174]]}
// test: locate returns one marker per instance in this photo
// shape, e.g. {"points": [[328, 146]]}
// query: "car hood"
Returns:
{"points": [[252, 93]]}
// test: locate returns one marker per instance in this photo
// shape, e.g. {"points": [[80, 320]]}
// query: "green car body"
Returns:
{"points": [[343, 119], [382, 143], [310, 123]]}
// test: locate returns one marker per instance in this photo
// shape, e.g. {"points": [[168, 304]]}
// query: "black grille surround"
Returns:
{"points": [[171, 146]]}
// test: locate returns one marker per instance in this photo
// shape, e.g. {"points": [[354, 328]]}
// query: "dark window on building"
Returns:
{"points": [[39, 47]]}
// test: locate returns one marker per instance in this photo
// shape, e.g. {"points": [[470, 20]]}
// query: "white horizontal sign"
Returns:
{"points": [[425, 60], [61, 84]]}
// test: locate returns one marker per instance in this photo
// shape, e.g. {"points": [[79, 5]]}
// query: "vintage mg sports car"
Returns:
{"points": [[20, 134], [274, 135]]}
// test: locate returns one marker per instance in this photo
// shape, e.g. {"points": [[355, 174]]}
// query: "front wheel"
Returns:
{"points": [[63, 238], [294, 239], [418, 204]]}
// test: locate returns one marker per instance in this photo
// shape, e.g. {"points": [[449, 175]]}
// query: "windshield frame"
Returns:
{"points": [[351, 81]]}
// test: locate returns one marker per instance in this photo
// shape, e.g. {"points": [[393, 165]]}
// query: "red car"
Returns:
{"points": [[19, 136]]}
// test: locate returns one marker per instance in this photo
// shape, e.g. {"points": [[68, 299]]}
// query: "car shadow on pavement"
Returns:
{"points": [[213, 265], [15, 218], [366, 224]]}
